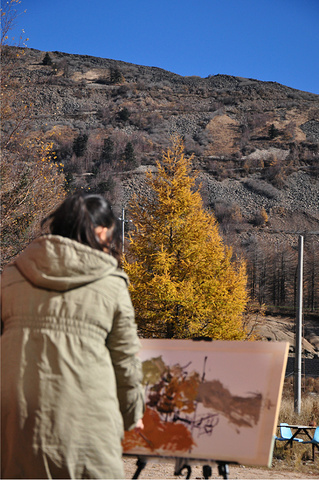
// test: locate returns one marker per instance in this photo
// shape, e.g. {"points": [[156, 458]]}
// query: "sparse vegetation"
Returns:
{"points": [[32, 181], [309, 402], [299, 457]]}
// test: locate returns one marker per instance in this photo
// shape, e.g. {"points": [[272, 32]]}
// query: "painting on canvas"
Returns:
{"points": [[215, 401]]}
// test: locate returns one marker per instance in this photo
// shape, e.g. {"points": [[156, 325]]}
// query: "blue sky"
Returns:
{"points": [[270, 40]]}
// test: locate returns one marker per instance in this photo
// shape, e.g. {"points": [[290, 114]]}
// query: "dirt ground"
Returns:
{"points": [[166, 471]]}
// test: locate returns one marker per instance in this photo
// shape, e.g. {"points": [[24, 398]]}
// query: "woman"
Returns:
{"points": [[70, 375]]}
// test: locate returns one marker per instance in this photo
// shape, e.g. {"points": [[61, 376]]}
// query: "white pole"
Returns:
{"points": [[298, 345], [123, 224]]}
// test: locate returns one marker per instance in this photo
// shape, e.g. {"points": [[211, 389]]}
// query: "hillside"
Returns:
{"points": [[255, 143], [255, 146]]}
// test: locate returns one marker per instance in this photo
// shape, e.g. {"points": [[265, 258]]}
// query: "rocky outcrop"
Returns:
{"points": [[282, 329]]}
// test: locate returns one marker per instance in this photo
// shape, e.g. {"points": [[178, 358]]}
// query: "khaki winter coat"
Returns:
{"points": [[70, 374]]}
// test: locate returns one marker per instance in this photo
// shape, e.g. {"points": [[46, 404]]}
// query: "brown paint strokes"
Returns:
{"points": [[241, 411]]}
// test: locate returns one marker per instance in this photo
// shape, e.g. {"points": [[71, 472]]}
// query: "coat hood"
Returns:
{"points": [[58, 263]]}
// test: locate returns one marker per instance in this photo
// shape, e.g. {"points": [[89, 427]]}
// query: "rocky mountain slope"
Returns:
{"points": [[256, 144], [255, 147]]}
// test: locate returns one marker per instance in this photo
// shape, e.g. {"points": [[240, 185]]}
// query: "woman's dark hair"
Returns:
{"points": [[79, 215]]}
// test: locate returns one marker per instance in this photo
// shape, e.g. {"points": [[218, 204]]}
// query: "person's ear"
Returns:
{"points": [[101, 233]]}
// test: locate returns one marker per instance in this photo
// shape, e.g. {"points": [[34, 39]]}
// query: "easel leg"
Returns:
{"points": [[141, 463], [180, 465], [207, 471], [223, 469]]}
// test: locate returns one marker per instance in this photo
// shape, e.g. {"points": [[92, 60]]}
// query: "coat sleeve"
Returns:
{"points": [[123, 345]]}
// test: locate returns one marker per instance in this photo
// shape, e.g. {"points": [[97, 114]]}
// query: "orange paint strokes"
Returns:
{"points": [[174, 392], [159, 435]]}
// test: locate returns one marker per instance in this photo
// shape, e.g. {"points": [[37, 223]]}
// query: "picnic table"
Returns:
{"points": [[298, 430]]}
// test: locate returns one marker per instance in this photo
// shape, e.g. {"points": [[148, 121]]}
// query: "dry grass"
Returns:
{"points": [[309, 403], [299, 457]]}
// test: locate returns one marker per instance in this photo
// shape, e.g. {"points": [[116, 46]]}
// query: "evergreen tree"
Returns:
{"points": [[273, 132], [129, 156], [47, 60], [80, 144], [124, 114], [183, 282], [108, 150]]}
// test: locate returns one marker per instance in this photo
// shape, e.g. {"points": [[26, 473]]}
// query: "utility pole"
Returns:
{"points": [[298, 344], [123, 221], [123, 228]]}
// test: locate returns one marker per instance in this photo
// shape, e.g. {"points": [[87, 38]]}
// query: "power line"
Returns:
{"points": [[304, 232]]}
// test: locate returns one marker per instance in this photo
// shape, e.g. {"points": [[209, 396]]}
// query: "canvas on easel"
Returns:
{"points": [[215, 401]]}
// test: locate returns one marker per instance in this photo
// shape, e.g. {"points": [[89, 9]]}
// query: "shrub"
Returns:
{"points": [[226, 212], [47, 60], [124, 114], [260, 218], [116, 76], [105, 186], [276, 173], [262, 188]]}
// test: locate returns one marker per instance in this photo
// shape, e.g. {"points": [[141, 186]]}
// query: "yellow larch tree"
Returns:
{"points": [[184, 283]]}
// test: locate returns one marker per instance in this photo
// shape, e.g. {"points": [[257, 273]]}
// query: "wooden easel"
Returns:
{"points": [[235, 388], [185, 464]]}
